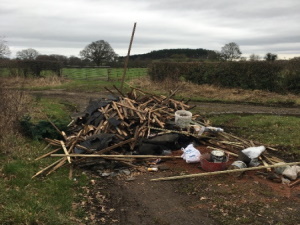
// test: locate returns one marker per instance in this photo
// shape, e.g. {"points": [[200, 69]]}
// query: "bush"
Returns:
{"points": [[31, 67], [292, 76], [168, 70], [277, 76], [42, 129]]}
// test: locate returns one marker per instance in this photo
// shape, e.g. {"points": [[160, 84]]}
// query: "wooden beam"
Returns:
{"points": [[224, 172], [117, 156], [65, 150], [115, 146], [127, 58]]}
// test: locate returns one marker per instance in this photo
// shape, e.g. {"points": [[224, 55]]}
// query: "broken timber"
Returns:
{"points": [[225, 171]]}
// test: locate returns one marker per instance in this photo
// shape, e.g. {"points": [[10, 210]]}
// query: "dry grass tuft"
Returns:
{"points": [[14, 105], [18, 82], [214, 93]]}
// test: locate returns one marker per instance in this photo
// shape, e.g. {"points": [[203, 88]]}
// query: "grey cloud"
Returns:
{"points": [[254, 25]]}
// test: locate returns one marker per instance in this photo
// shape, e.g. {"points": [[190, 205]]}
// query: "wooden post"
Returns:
{"points": [[127, 58]]}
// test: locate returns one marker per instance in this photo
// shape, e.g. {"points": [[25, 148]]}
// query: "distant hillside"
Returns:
{"points": [[176, 53]]}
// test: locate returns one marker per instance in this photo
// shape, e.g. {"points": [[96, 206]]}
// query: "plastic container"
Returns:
{"points": [[212, 166], [237, 165], [183, 118], [217, 156]]}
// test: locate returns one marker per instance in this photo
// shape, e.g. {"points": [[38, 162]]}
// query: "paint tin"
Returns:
{"points": [[237, 165], [217, 156]]}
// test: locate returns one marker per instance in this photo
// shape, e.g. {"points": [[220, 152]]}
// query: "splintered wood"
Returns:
{"points": [[129, 117], [119, 123]]}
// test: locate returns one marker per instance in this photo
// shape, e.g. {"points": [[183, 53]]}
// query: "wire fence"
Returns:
{"points": [[103, 73]]}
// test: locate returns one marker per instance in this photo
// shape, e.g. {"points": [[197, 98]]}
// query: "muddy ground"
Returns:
{"points": [[133, 199]]}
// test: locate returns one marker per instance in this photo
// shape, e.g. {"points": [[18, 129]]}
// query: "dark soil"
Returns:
{"points": [[251, 198]]}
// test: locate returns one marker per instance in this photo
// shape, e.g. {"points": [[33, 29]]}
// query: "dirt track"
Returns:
{"points": [[82, 99]]}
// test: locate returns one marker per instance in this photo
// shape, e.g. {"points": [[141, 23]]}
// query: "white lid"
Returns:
{"points": [[217, 153]]}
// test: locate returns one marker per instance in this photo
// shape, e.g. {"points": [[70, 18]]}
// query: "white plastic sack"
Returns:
{"points": [[254, 152], [191, 154]]}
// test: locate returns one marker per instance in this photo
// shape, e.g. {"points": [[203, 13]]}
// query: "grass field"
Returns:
{"points": [[281, 131], [108, 74], [103, 73]]}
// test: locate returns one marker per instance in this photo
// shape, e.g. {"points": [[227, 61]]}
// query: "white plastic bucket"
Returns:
{"points": [[183, 118]]}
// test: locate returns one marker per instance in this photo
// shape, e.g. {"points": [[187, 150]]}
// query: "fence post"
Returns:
{"points": [[108, 74]]}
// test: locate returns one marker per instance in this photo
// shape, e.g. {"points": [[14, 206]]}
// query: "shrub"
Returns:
{"points": [[31, 67], [42, 129], [14, 104], [277, 76]]}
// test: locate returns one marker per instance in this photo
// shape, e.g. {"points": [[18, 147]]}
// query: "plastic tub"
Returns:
{"points": [[212, 166], [238, 165], [183, 118]]}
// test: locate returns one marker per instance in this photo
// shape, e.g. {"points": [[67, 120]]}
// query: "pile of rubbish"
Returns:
{"points": [[134, 128]]}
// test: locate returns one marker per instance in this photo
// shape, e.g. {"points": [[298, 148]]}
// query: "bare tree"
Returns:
{"points": [[254, 57], [99, 52], [29, 54], [230, 52], [4, 49]]}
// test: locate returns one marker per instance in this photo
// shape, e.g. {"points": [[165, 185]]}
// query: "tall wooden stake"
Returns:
{"points": [[127, 58]]}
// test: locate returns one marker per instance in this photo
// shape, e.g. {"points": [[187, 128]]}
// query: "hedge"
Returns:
{"points": [[279, 76], [30, 67]]}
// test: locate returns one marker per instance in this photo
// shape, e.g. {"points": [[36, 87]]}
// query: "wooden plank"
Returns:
{"points": [[117, 156], [60, 164], [224, 172], [47, 154], [116, 108], [161, 124], [130, 107], [46, 168], [142, 118], [65, 150], [71, 172], [115, 146]]}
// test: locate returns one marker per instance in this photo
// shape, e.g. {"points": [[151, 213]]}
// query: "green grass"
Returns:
{"points": [[87, 85], [267, 129], [54, 108], [42, 200], [102, 73], [4, 72]]}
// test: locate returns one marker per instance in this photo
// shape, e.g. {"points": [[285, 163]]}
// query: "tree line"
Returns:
{"points": [[100, 53]]}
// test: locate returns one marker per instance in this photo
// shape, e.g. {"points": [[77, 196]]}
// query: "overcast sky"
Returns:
{"points": [[67, 26]]}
